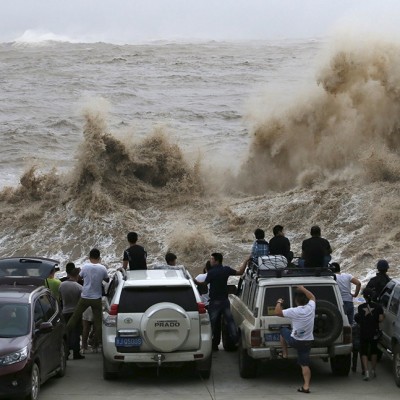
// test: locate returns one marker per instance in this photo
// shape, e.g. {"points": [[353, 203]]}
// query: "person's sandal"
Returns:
{"points": [[302, 390]]}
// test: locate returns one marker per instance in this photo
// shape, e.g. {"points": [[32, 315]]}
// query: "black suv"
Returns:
{"points": [[33, 337]]}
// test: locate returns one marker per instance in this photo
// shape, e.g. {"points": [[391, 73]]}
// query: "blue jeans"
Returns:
{"points": [[217, 309], [348, 307]]}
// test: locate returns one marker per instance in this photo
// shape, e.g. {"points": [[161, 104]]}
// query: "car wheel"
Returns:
{"points": [[35, 383], [110, 370], [328, 323], [340, 365], [204, 367], [227, 342], [63, 360], [247, 365], [396, 364]]}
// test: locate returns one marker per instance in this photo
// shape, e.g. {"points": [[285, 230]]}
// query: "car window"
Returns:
{"points": [[14, 320], [39, 316], [394, 303], [111, 288], [323, 292], [137, 300], [247, 285], [271, 295], [47, 306], [252, 296]]}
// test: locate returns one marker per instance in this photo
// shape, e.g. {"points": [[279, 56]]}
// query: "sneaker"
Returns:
{"points": [[78, 357], [366, 376], [373, 373], [215, 347]]}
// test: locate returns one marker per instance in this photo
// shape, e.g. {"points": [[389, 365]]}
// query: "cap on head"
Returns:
{"points": [[382, 265]]}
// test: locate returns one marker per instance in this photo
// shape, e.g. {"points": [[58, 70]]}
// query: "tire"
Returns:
{"points": [[35, 383], [328, 323], [247, 365], [172, 338], [110, 370], [396, 364], [227, 342], [204, 367], [63, 360], [340, 365]]}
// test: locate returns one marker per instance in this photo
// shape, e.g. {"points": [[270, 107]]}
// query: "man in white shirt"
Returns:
{"points": [[344, 282], [301, 336], [93, 274]]}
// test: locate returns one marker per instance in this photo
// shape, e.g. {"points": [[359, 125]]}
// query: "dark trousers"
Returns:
{"points": [[74, 335], [217, 309], [97, 309]]}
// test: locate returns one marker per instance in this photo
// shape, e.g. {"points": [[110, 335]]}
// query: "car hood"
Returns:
{"points": [[9, 345]]}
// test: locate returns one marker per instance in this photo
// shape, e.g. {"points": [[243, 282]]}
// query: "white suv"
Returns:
{"points": [[253, 310], [155, 317]]}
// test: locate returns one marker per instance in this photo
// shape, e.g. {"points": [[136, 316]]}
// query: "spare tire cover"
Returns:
{"points": [[165, 326], [328, 323]]}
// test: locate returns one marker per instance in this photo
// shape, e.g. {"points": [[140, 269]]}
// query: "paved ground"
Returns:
{"points": [[276, 380]]}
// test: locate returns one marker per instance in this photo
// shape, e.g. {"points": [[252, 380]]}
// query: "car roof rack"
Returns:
{"points": [[256, 272]]}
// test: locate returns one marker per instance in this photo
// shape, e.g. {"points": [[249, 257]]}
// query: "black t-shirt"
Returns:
{"points": [[217, 277], [377, 283], [136, 255], [314, 251], [280, 245], [368, 318]]}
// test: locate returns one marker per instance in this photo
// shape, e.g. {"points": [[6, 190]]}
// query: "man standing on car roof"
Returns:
{"points": [[217, 278], [135, 256], [301, 336]]}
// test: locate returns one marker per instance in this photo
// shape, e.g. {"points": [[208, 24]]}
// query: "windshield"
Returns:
{"points": [[14, 320]]}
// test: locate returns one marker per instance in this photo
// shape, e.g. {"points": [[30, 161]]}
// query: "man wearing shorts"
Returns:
{"points": [[301, 336]]}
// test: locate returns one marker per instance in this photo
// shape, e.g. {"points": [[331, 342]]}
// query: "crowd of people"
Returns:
{"points": [[81, 291]]}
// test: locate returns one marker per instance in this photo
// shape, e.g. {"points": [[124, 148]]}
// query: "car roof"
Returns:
{"points": [[16, 294], [27, 266], [157, 277]]}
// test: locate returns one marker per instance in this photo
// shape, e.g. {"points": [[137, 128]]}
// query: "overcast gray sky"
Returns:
{"points": [[129, 21]]}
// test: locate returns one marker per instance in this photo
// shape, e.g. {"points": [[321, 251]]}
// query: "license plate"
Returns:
{"points": [[128, 341], [272, 337]]}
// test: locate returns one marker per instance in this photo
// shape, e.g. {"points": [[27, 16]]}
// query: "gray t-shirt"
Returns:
{"points": [[93, 276], [70, 292]]}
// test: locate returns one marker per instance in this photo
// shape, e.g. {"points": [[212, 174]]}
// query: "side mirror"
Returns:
{"points": [[45, 327]]}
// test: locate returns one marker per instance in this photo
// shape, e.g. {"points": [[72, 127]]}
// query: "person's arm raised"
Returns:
{"points": [[308, 294]]}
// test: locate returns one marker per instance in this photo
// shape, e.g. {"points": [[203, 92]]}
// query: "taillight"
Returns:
{"points": [[114, 309], [347, 336], [255, 338], [202, 308]]}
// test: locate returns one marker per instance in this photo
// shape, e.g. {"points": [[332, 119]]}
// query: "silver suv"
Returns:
{"points": [[390, 340], [253, 309], [155, 318]]}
